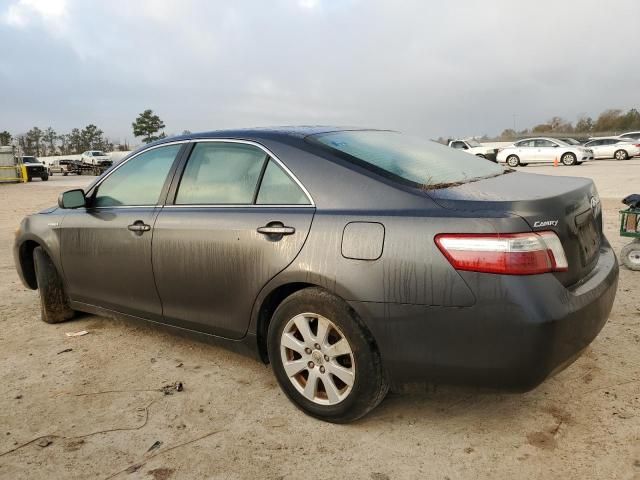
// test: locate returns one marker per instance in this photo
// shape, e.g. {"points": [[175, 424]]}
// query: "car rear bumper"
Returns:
{"points": [[521, 330]]}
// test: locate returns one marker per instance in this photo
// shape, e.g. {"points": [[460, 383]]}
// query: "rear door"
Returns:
{"points": [[106, 247], [527, 151], [234, 219]]}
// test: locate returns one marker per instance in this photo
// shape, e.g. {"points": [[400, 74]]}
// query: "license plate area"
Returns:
{"points": [[588, 237]]}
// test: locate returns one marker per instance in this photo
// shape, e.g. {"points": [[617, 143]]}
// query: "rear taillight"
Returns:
{"points": [[507, 253]]}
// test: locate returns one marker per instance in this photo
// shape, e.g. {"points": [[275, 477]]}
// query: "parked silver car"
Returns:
{"points": [[614, 147], [543, 149]]}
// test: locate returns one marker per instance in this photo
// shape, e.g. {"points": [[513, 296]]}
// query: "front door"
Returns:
{"points": [[237, 220], [546, 150], [106, 247]]}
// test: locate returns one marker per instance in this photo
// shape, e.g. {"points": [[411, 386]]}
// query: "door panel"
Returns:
{"points": [[210, 262], [106, 247], [108, 265]]}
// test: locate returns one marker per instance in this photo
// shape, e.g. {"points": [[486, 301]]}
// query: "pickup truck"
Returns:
{"points": [[474, 148], [35, 168]]}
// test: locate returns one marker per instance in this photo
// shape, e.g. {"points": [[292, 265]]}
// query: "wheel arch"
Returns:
{"points": [[266, 309], [25, 257]]}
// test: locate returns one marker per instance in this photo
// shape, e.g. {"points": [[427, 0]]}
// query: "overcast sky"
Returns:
{"points": [[433, 68]]}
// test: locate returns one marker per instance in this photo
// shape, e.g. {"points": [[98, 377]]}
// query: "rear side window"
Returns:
{"points": [[221, 173], [139, 181], [407, 159], [278, 188]]}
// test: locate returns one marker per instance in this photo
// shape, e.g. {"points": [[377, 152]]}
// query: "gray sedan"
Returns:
{"points": [[352, 261]]}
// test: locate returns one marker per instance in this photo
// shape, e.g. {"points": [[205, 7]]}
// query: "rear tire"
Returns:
{"points": [[356, 360], [621, 155], [44, 177], [568, 159], [513, 161], [53, 298], [630, 255]]}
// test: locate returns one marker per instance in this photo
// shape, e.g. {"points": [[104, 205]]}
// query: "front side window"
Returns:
{"points": [[220, 173], [525, 143], [406, 159], [459, 145], [139, 181], [545, 143], [278, 188]]}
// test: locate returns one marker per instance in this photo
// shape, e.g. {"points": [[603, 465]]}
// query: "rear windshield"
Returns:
{"points": [[412, 160]]}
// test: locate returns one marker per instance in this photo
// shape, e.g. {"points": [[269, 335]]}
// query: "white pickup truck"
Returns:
{"points": [[474, 148]]}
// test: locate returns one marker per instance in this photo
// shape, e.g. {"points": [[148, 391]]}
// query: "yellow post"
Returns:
{"points": [[23, 173]]}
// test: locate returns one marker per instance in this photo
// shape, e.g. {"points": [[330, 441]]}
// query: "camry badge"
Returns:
{"points": [[546, 223]]}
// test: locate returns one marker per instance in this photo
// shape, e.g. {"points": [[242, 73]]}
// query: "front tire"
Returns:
{"points": [[44, 177], [568, 159], [324, 358], [630, 255], [621, 155], [513, 161], [53, 298]]}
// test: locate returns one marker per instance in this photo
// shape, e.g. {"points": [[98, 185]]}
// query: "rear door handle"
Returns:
{"points": [[276, 230], [139, 227]]}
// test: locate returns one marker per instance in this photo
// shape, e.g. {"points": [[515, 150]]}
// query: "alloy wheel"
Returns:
{"points": [[621, 155], [568, 159], [317, 358]]}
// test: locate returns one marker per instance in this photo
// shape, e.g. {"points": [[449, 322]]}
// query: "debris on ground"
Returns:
{"points": [[65, 351], [134, 468], [76, 334], [44, 442], [154, 446], [172, 387], [179, 365]]}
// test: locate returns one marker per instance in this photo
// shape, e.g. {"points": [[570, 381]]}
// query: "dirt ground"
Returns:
{"points": [[92, 406]]}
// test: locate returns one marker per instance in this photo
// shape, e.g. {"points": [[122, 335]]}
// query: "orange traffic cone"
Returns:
{"points": [[555, 162]]}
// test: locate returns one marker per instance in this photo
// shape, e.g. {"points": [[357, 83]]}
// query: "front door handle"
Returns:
{"points": [[139, 227], [276, 229]]}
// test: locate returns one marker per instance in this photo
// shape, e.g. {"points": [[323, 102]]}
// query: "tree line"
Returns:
{"points": [[45, 142], [609, 121]]}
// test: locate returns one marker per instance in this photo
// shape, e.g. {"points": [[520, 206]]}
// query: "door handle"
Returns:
{"points": [[139, 227], [276, 230]]}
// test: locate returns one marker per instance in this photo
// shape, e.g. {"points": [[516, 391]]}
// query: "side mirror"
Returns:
{"points": [[465, 147], [72, 199]]}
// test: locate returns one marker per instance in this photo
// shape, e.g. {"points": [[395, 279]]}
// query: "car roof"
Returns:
{"points": [[265, 133]]}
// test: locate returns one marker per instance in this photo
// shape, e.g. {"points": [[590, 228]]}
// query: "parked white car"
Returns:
{"points": [[613, 147], [95, 157], [474, 148], [631, 136], [543, 149]]}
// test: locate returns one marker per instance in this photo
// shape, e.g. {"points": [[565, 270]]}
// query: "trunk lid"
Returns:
{"points": [[568, 206]]}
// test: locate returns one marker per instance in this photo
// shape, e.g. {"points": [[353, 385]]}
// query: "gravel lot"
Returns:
{"points": [[92, 406]]}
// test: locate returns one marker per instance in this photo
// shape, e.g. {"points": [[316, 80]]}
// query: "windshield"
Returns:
{"points": [[570, 141], [409, 159], [98, 154], [29, 160], [473, 143]]}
